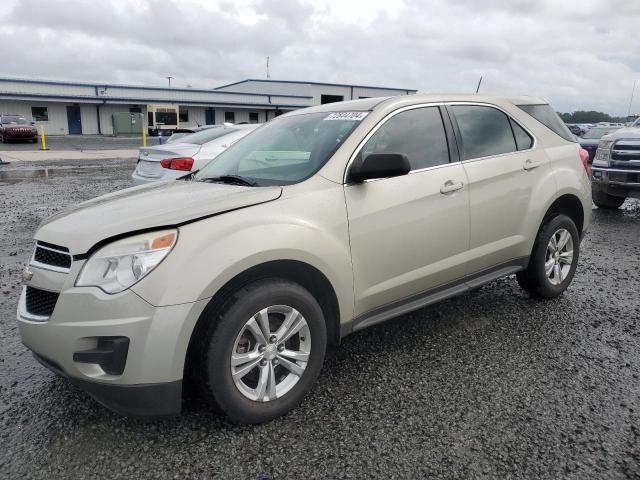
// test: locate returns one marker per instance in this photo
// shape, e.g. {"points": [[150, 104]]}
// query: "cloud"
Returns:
{"points": [[578, 54]]}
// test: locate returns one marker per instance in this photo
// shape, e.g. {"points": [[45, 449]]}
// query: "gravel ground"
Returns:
{"points": [[81, 142], [491, 384]]}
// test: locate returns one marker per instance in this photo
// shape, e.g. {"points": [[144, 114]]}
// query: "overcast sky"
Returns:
{"points": [[578, 54]]}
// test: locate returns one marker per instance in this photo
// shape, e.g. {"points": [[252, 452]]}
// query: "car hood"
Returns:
{"points": [[145, 207], [629, 132]]}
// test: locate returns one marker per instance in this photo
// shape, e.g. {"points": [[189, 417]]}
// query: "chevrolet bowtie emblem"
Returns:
{"points": [[27, 275]]}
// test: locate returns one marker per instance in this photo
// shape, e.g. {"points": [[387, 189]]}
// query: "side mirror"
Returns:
{"points": [[380, 165]]}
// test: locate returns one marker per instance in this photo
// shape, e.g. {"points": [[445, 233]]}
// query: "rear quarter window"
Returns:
{"points": [[550, 119]]}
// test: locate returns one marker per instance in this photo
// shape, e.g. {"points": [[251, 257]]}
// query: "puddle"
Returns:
{"points": [[15, 176]]}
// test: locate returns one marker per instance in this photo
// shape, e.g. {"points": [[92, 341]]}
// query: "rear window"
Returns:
{"points": [[550, 119], [200, 138]]}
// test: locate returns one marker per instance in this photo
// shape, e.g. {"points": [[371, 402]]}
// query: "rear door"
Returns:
{"points": [[504, 169], [409, 234]]}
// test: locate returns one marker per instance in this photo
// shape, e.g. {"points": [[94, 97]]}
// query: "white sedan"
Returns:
{"points": [[190, 153]]}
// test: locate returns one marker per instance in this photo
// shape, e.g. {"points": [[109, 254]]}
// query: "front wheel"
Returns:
{"points": [[553, 260], [263, 351], [606, 201]]}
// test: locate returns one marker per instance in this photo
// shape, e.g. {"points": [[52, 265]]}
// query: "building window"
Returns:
{"points": [[253, 117], [330, 98], [278, 113], [184, 114], [40, 114], [230, 117], [135, 110]]}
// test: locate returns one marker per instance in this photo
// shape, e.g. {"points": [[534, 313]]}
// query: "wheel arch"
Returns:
{"points": [[570, 205], [296, 271]]}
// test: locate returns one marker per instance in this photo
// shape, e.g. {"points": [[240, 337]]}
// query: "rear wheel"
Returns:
{"points": [[553, 260], [263, 351], [606, 201]]}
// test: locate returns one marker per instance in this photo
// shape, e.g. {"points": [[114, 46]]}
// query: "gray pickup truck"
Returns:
{"points": [[615, 171]]}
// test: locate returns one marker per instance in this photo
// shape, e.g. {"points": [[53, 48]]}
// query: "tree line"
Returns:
{"points": [[591, 116]]}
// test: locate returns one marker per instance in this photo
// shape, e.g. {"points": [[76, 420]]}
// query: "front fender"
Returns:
{"points": [[211, 252]]}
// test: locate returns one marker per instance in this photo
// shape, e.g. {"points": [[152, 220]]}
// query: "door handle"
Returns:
{"points": [[531, 164], [451, 186]]}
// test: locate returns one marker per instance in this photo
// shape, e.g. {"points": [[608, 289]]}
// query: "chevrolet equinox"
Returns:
{"points": [[320, 223]]}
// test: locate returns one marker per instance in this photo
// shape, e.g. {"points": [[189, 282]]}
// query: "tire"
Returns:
{"points": [[227, 333], [606, 201], [534, 279]]}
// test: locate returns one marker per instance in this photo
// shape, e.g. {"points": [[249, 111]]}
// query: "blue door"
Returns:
{"points": [[210, 116], [73, 118]]}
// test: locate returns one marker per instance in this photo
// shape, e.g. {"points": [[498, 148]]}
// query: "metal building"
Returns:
{"points": [[63, 108]]}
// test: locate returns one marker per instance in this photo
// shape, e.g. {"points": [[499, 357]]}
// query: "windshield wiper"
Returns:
{"points": [[231, 179], [189, 176]]}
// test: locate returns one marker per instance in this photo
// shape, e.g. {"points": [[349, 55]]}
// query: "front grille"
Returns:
{"points": [[52, 257], [40, 302], [626, 151]]}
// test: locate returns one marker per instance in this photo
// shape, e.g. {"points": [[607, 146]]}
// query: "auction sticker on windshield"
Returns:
{"points": [[346, 116]]}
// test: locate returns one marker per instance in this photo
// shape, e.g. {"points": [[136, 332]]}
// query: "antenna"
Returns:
{"points": [[633, 90], [479, 82], [169, 78], [268, 76]]}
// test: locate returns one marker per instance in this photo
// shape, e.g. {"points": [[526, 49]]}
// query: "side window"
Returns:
{"points": [[523, 139], [418, 133], [485, 131]]}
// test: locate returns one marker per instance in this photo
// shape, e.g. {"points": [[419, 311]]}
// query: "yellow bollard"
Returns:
{"points": [[43, 140], [144, 135]]}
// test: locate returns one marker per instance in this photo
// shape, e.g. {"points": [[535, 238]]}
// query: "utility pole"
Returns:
{"points": [[479, 82], [169, 78], [633, 90], [268, 76]]}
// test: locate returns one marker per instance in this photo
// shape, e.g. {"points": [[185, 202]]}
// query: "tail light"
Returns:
{"points": [[177, 163], [584, 156]]}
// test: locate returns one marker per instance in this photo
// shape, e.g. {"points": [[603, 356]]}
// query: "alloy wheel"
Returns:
{"points": [[559, 256], [270, 353]]}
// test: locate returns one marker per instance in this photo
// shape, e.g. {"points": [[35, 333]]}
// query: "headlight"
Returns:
{"points": [[119, 265], [603, 154]]}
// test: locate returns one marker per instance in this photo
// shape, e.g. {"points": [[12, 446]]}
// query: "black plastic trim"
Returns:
{"points": [[110, 354], [442, 292], [136, 400]]}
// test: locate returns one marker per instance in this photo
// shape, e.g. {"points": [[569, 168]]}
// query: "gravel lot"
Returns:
{"points": [[487, 385]]}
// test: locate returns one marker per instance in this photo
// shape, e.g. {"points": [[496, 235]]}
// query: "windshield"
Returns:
{"points": [[15, 121], [200, 138], [596, 133], [286, 150]]}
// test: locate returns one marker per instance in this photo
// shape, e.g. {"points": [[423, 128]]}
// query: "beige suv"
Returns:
{"points": [[320, 223]]}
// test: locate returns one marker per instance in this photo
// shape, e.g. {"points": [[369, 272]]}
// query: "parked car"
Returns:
{"points": [[590, 140], [324, 221], [192, 152], [577, 130], [615, 169], [17, 127], [183, 132]]}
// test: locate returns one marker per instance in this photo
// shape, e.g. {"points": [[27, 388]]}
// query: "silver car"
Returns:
{"points": [[187, 154]]}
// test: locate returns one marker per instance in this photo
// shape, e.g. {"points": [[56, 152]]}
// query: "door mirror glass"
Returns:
{"points": [[379, 165]]}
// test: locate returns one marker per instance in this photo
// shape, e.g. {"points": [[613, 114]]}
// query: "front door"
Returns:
{"points": [[409, 234], [210, 116], [73, 118]]}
